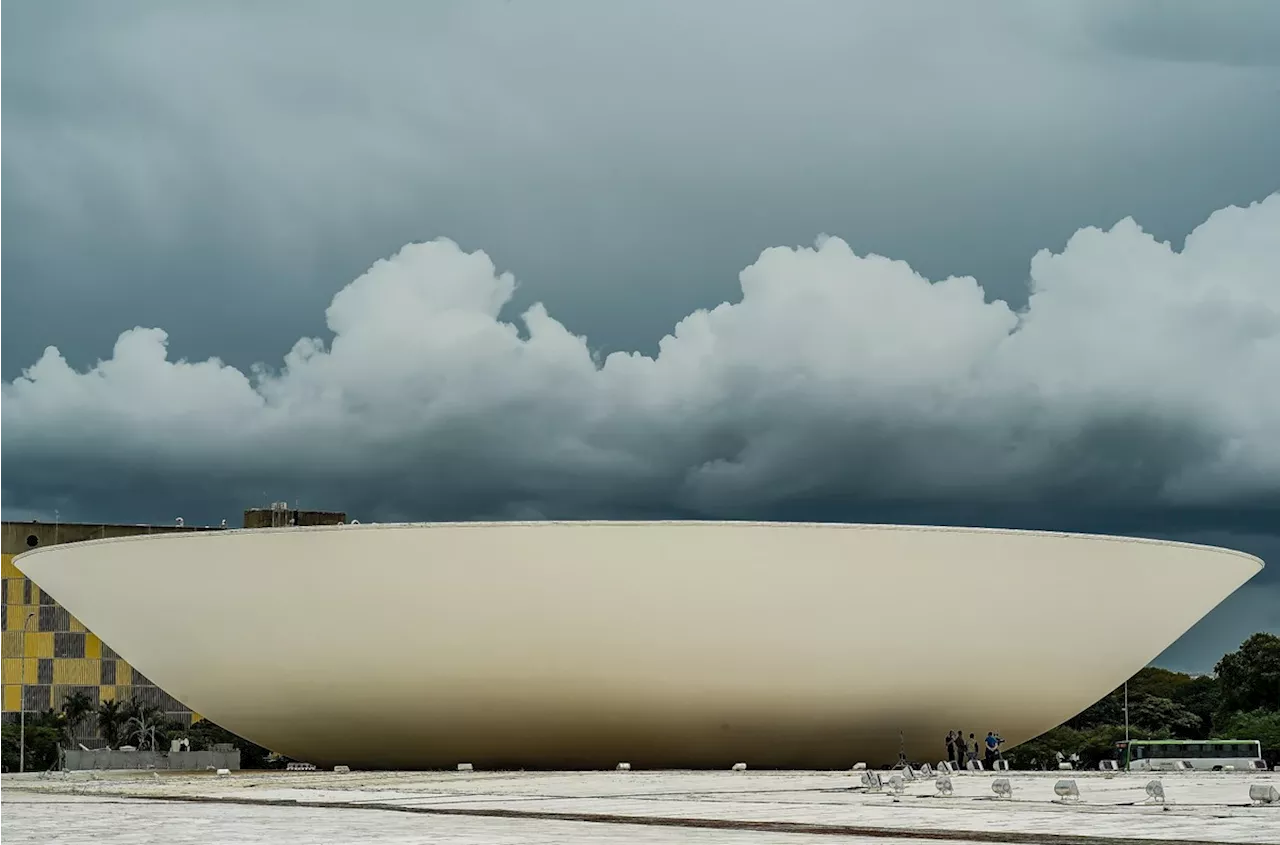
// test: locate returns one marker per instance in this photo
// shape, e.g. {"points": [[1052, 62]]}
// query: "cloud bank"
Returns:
{"points": [[1137, 374], [624, 160]]}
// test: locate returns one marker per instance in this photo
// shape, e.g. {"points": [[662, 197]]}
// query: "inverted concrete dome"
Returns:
{"points": [[665, 644]]}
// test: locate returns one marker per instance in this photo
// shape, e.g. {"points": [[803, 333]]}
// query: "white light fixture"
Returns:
{"points": [[624, 767], [872, 781], [1002, 788], [1108, 766], [926, 771], [1155, 791], [1263, 793], [1067, 790], [466, 767], [943, 783], [896, 784], [859, 767], [739, 767], [342, 770]]}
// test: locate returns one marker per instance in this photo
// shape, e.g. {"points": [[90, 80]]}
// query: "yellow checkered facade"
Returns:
{"points": [[48, 655]]}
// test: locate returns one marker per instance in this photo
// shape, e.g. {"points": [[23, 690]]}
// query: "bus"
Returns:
{"points": [[1154, 755]]}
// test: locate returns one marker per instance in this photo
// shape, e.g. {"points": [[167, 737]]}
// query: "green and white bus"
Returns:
{"points": [[1154, 755]]}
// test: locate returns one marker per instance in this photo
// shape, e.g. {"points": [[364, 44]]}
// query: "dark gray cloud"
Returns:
{"points": [[1134, 379], [1244, 33], [223, 171]]}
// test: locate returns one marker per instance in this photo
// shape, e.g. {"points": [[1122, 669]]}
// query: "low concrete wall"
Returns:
{"points": [[187, 761]]}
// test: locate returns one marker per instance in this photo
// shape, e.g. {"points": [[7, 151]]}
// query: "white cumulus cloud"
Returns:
{"points": [[1138, 372]]}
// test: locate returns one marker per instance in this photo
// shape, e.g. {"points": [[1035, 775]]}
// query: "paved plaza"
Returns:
{"points": [[697, 807]]}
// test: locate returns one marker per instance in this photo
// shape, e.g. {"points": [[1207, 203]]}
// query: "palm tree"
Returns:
{"points": [[75, 707], [111, 718], [142, 724]]}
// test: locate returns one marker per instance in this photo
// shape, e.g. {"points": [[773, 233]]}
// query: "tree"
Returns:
{"points": [[1203, 697], [205, 734], [1108, 711], [1160, 714], [43, 742], [1148, 682], [144, 726], [1250, 676], [110, 718], [1091, 745], [1042, 752], [1161, 683], [1100, 743], [1262, 725], [76, 707]]}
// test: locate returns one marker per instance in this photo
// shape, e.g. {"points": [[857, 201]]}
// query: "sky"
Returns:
{"points": [[995, 263]]}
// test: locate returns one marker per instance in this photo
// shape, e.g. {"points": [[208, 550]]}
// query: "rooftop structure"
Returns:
{"points": [[280, 515]]}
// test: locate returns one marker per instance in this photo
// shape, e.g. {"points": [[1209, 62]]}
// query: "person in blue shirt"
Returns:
{"points": [[993, 748]]}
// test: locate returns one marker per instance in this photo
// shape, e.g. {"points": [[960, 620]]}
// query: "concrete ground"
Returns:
{"points": [[567, 807]]}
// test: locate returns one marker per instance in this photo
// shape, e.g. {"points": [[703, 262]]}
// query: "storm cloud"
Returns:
{"points": [[1137, 375], [223, 169]]}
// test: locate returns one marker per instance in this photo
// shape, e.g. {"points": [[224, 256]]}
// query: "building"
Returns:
{"points": [[663, 644], [280, 515], [56, 655]]}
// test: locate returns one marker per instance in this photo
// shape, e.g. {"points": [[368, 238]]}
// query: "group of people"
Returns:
{"points": [[960, 751]]}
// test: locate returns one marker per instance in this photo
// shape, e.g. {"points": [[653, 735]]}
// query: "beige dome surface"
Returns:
{"points": [[664, 644]]}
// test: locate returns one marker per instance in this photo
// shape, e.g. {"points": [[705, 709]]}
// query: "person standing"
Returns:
{"points": [[993, 748], [993, 744], [973, 747], [951, 747]]}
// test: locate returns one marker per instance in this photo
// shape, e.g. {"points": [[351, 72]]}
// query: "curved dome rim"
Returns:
{"points": [[191, 536]]}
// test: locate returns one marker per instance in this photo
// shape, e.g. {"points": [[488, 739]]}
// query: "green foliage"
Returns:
{"points": [[1262, 725], [1157, 682], [43, 742], [1090, 744], [76, 709], [1146, 712], [1108, 711], [110, 719], [205, 734], [1203, 697], [1242, 702], [145, 727], [1250, 676], [1160, 714], [1042, 752]]}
